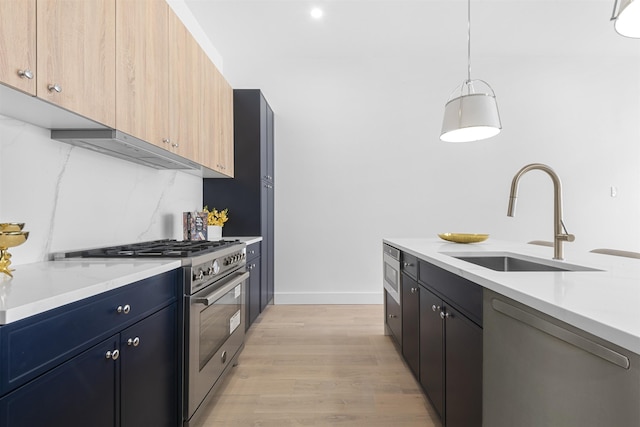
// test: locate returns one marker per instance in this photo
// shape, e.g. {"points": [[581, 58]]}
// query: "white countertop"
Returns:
{"points": [[38, 287], [605, 303], [248, 240]]}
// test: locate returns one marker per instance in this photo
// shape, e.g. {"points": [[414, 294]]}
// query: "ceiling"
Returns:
{"points": [[284, 29]]}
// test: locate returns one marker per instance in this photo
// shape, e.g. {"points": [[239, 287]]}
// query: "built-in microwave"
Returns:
{"points": [[391, 271]]}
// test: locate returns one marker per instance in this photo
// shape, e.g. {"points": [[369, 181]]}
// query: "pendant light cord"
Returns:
{"points": [[468, 41]]}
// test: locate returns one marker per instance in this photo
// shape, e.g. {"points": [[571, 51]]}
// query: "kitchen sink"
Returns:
{"points": [[515, 262]]}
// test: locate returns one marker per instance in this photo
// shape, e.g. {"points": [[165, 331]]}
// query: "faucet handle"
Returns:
{"points": [[566, 237]]}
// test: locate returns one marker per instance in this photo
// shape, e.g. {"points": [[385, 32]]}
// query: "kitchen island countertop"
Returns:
{"points": [[604, 303], [38, 287]]}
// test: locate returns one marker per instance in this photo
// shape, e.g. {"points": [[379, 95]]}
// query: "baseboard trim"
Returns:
{"points": [[328, 298]]}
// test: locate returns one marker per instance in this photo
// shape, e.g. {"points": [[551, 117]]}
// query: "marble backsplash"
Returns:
{"points": [[73, 198]]}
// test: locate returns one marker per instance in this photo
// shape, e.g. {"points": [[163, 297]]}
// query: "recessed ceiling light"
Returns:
{"points": [[316, 13]]}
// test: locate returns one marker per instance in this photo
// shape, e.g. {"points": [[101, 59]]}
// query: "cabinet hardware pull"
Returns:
{"points": [[124, 309], [166, 140], [54, 88], [175, 144], [223, 358], [113, 354], [408, 264], [444, 315], [435, 307], [25, 74], [392, 316], [134, 342], [414, 290]]}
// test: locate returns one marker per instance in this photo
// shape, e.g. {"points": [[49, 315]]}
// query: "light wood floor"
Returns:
{"points": [[321, 365]]}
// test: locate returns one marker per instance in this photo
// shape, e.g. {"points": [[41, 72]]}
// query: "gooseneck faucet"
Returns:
{"points": [[560, 233]]}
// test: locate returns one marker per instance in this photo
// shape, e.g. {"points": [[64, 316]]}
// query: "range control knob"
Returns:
{"points": [[199, 275], [215, 267]]}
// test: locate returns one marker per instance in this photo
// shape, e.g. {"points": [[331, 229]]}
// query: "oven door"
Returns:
{"points": [[391, 271], [216, 333]]}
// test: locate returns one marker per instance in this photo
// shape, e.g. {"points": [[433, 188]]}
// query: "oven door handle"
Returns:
{"points": [[218, 293]]}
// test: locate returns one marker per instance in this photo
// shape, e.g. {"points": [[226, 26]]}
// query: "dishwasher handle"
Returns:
{"points": [[561, 333]]}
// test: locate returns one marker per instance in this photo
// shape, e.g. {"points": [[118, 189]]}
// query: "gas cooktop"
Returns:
{"points": [[156, 249]]}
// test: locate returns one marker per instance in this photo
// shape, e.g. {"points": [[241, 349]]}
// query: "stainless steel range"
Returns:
{"points": [[214, 275]]}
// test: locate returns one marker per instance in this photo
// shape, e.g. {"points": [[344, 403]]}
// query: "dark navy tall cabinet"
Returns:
{"points": [[249, 195]]}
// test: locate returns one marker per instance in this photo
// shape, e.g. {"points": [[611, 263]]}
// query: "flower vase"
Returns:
{"points": [[214, 232]]}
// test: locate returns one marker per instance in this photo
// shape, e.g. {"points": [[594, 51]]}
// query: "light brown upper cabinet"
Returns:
{"points": [[216, 120], [184, 90], [208, 122], [18, 44], [76, 56], [225, 133], [142, 70]]}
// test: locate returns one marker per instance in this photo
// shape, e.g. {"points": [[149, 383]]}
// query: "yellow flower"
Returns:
{"points": [[215, 217]]}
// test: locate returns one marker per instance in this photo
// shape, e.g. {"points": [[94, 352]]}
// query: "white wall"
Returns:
{"points": [[72, 198], [358, 156]]}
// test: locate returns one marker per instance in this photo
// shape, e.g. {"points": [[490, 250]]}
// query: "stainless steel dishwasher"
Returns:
{"points": [[539, 371]]}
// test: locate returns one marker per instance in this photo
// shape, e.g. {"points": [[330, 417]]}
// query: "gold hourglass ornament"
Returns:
{"points": [[11, 235]]}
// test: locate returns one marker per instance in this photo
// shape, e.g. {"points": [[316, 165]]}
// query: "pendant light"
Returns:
{"points": [[627, 19], [471, 113]]}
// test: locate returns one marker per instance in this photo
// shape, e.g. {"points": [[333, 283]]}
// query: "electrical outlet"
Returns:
{"points": [[614, 191]]}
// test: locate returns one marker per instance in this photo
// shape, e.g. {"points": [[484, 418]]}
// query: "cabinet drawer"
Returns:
{"points": [[409, 265], [36, 344], [254, 250], [461, 293], [393, 318]]}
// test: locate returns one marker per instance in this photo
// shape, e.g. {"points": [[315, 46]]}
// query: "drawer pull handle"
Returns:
{"points": [[392, 316], [435, 307], [444, 315], [54, 88], [113, 354], [133, 341], [408, 264], [124, 309], [414, 290], [223, 358]]}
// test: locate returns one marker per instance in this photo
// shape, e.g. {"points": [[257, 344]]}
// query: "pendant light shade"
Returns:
{"points": [[627, 19], [472, 115]]}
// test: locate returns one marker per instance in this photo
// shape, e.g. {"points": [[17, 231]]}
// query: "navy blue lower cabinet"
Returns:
{"points": [[78, 393], [149, 374], [112, 360]]}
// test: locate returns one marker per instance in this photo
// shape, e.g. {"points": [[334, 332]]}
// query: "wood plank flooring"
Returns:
{"points": [[320, 365]]}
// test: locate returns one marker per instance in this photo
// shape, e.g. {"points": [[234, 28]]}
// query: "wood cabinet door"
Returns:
{"points": [[432, 349], [79, 393], [225, 134], [76, 56], [411, 323], [463, 375], [216, 120], [210, 118], [184, 90], [142, 70], [149, 371], [18, 44]]}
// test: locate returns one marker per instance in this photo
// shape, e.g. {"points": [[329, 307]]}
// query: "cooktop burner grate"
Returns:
{"points": [[159, 249]]}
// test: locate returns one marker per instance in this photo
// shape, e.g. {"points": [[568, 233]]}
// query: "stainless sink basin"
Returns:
{"points": [[513, 262]]}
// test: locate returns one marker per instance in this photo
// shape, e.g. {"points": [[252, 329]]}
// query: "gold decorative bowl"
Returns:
{"points": [[11, 226], [10, 239], [463, 237]]}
